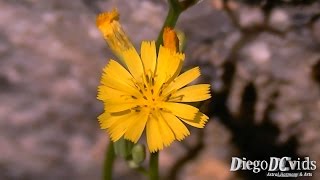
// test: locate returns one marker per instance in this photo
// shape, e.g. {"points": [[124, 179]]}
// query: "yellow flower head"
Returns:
{"points": [[149, 94]]}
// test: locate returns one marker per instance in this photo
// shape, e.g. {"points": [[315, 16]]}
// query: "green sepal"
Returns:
{"points": [[123, 148], [138, 153], [182, 40]]}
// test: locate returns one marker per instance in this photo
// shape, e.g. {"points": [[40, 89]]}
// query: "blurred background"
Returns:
{"points": [[261, 57]]}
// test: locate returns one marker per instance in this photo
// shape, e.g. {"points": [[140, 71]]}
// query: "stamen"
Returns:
{"points": [[177, 98], [137, 108], [134, 97], [147, 79], [168, 97]]}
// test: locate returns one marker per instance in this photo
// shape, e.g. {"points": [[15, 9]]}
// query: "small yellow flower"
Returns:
{"points": [[148, 93]]}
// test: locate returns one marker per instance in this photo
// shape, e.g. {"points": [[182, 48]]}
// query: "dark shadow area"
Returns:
{"points": [[316, 72], [254, 141]]}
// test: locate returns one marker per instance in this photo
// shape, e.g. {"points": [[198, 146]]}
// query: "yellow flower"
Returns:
{"points": [[147, 93]]}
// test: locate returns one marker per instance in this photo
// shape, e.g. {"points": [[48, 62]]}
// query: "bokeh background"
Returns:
{"points": [[262, 59]]}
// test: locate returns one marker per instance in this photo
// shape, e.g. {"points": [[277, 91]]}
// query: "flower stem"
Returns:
{"points": [[174, 12], [154, 169], [108, 162], [175, 9]]}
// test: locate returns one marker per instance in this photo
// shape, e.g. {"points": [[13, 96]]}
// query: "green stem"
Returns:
{"points": [[108, 162], [188, 3], [171, 20], [176, 8], [154, 169]]}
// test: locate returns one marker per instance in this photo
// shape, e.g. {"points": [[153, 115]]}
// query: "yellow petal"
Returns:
{"points": [[168, 62], [105, 120], [181, 110], [134, 63], [198, 121], [148, 56], [154, 139], [118, 107], [119, 125], [175, 65], [182, 80], [113, 96], [116, 77], [136, 127], [166, 133], [121, 100], [179, 129], [167, 65], [193, 93], [107, 93], [162, 65], [178, 69]]}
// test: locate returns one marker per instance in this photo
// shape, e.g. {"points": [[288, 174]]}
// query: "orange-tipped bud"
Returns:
{"points": [[170, 39]]}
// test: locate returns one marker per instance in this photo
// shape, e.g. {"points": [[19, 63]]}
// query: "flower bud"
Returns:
{"points": [[170, 39], [138, 153], [123, 148]]}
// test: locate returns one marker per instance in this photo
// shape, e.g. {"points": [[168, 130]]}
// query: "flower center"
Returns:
{"points": [[151, 95]]}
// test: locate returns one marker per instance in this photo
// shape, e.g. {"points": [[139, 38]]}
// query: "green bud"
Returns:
{"points": [[123, 148], [182, 40], [138, 153]]}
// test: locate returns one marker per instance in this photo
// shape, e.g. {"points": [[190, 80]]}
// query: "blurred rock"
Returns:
{"points": [[280, 20], [250, 16], [213, 161], [316, 30], [259, 52]]}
